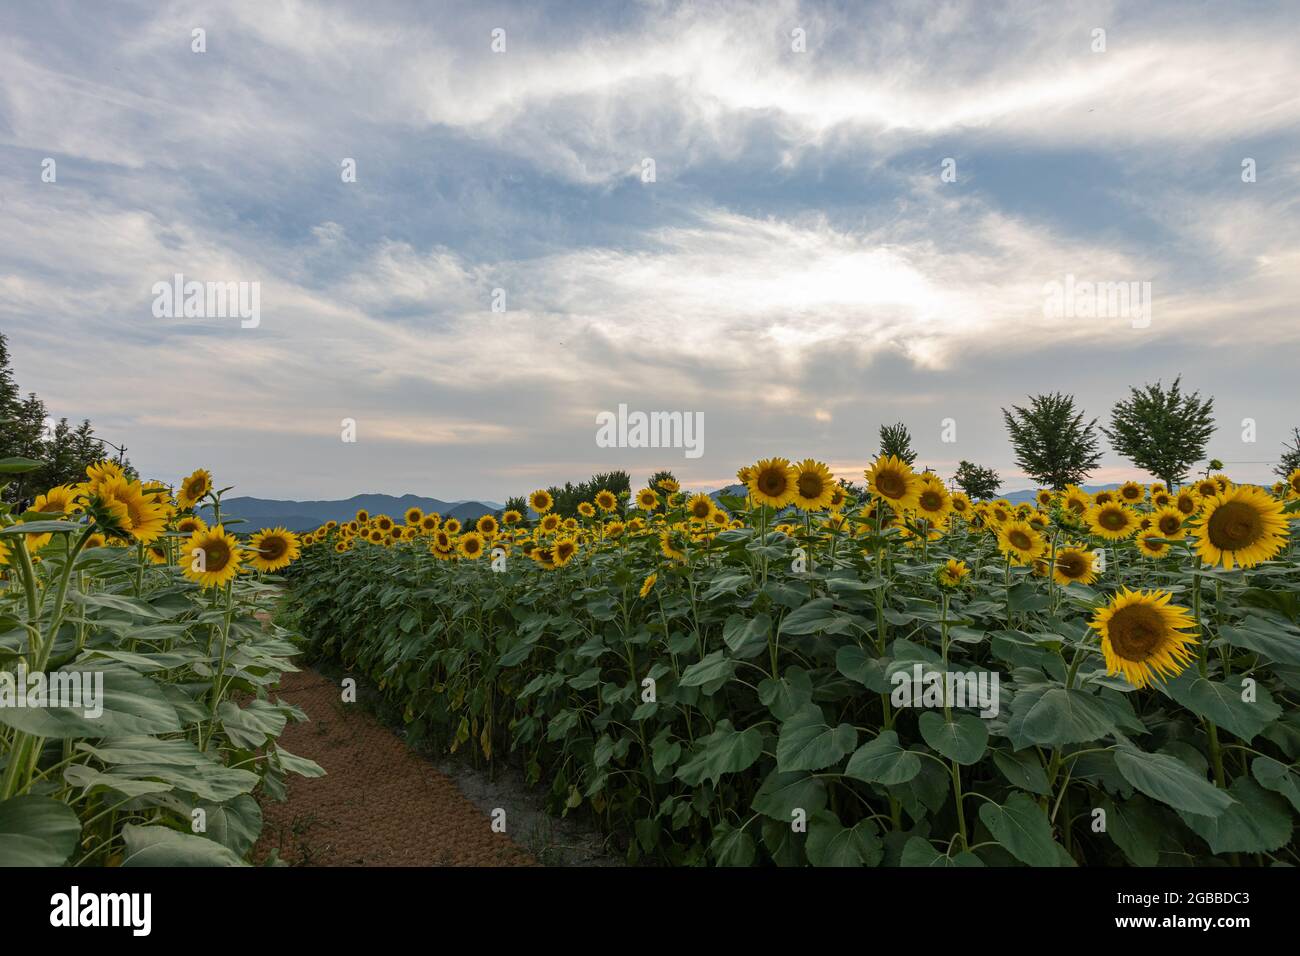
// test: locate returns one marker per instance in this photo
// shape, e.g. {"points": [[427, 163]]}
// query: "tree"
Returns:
{"points": [[1290, 460], [1053, 444], [896, 440], [517, 503], [1162, 431], [977, 481]]}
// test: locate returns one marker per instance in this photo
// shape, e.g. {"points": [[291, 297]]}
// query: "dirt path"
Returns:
{"points": [[379, 804]]}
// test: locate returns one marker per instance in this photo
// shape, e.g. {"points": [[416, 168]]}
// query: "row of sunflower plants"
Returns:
{"points": [[137, 724], [813, 674]]}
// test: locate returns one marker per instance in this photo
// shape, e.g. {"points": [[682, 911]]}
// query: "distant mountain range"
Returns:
{"points": [[306, 515]]}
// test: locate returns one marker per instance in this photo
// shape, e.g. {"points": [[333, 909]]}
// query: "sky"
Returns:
{"points": [[797, 221]]}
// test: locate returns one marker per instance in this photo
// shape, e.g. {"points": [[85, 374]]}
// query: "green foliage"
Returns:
{"points": [[977, 481], [1290, 459], [517, 503], [570, 496], [1162, 431], [896, 440], [1053, 443]]}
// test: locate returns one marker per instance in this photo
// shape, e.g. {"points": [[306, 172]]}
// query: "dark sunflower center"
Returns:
{"points": [[1169, 525], [1075, 504], [1113, 520], [891, 484], [772, 482], [1020, 539], [215, 556], [1136, 632], [1234, 525], [1132, 494], [810, 486], [1072, 565], [931, 500], [273, 548], [700, 509]]}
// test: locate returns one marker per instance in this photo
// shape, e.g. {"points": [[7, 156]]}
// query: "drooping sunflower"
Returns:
{"points": [[194, 488], [211, 557], [1074, 565], [1044, 497], [413, 515], [1243, 526], [892, 479], [668, 486], [1112, 521], [1076, 500], [273, 549], [700, 507], [487, 526], [470, 545], [156, 553], [606, 500], [146, 519], [672, 542], [1020, 542], [773, 482], [814, 486], [648, 584], [647, 500], [1132, 492], [1142, 636], [61, 499], [541, 501], [952, 573]]}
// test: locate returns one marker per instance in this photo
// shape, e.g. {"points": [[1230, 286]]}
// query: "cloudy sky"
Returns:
{"points": [[798, 269]]}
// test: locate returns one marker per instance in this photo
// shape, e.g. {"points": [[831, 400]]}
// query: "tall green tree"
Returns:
{"points": [[1053, 443], [977, 481], [1290, 459], [1162, 430], [896, 440]]}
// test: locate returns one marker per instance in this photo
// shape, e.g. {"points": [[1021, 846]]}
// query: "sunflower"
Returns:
{"points": [[1142, 636], [1077, 500], [814, 486], [442, 541], [586, 509], [606, 500], [102, 471], [1206, 488], [1242, 526], [61, 499], [541, 501], [384, 523], [413, 515], [156, 553], [565, 549], [1104, 497], [470, 545], [673, 544], [452, 525], [1161, 498], [933, 503], [429, 523], [211, 557], [1188, 502], [343, 546], [668, 485], [569, 524], [487, 526], [961, 505], [273, 549], [363, 516], [1074, 565], [1044, 497], [892, 479], [720, 518], [544, 555], [773, 482], [550, 524], [700, 507], [1112, 521], [94, 541], [648, 584], [1168, 521], [999, 512], [647, 500], [1293, 482], [1020, 542], [374, 535], [512, 517], [952, 573], [194, 488], [614, 530], [1152, 545], [1132, 492], [146, 519]]}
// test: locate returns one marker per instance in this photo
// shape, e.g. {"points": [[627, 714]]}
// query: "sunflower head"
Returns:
{"points": [[1242, 526], [892, 479], [952, 573], [541, 501], [1074, 565], [647, 500], [565, 549], [487, 526], [814, 486], [512, 517], [273, 549], [1076, 500], [933, 503], [452, 525], [194, 488], [211, 557], [606, 500], [470, 545], [1132, 492], [648, 584], [1143, 636], [550, 523], [1152, 545], [1112, 521], [414, 515], [700, 507], [586, 509], [1020, 542], [429, 523], [773, 482]]}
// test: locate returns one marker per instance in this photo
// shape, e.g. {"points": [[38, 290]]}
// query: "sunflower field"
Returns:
{"points": [[135, 663], [838, 675]]}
